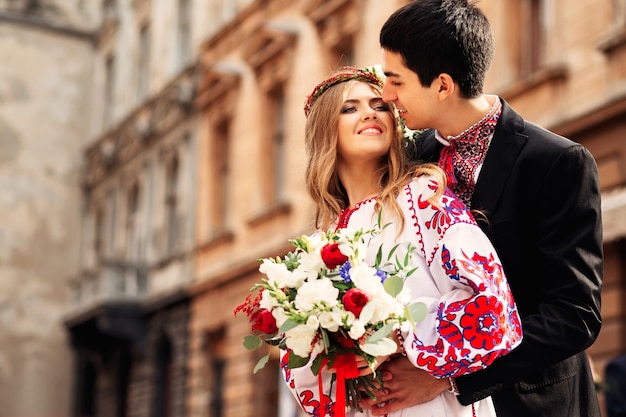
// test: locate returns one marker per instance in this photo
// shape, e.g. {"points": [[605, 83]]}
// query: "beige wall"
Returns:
{"points": [[43, 124]]}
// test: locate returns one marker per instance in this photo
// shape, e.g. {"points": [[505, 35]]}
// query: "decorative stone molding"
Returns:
{"points": [[146, 124], [270, 53]]}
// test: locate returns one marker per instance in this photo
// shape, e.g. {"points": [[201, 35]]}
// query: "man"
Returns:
{"points": [[539, 199]]}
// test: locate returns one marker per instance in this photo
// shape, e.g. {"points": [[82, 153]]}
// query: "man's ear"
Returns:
{"points": [[445, 85]]}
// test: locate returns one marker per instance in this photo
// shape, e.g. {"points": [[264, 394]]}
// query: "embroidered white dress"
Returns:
{"points": [[472, 318]]}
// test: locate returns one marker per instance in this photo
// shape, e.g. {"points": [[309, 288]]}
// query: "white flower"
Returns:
{"points": [[300, 339], [310, 264], [385, 307], [365, 278], [356, 330], [268, 301], [313, 321], [280, 316], [316, 293], [331, 320]]}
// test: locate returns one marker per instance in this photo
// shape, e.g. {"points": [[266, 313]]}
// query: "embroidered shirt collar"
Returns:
{"points": [[470, 132]]}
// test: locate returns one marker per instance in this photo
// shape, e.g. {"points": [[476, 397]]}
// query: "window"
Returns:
{"points": [[163, 378], [216, 364], [171, 204], [132, 225], [85, 388], [533, 37], [98, 237], [111, 224], [143, 63], [124, 367], [274, 163], [109, 85], [221, 176], [184, 31]]}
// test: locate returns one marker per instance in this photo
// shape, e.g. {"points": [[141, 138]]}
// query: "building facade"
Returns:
{"points": [[129, 311], [165, 155], [560, 64], [46, 60]]}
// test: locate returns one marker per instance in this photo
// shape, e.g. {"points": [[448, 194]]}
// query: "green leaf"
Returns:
{"points": [[382, 347], [391, 252], [252, 342], [411, 271], [317, 364], [261, 363], [417, 311], [379, 256], [393, 285], [296, 361], [288, 325], [381, 333]]}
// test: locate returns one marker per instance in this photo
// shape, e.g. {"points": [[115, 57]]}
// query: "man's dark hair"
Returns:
{"points": [[442, 36]]}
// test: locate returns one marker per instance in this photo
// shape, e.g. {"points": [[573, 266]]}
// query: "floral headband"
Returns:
{"points": [[345, 74]]}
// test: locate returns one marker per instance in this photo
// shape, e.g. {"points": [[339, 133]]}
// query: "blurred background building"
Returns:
{"points": [[152, 150]]}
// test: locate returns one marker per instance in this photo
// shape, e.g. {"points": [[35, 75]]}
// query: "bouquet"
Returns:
{"points": [[323, 301]]}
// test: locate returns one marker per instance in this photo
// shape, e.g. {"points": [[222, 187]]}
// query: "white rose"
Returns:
{"points": [[365, 278], [315, 294], [299, 340]]}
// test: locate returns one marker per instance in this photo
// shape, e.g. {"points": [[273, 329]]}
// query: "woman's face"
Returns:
{"points": [[366, 125]]}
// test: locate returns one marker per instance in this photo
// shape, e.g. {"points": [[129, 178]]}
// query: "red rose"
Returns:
{"points": [[332, 256], [354, 300], [265, 322]]}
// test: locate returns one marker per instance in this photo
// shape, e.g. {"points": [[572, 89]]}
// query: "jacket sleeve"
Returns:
{"points": [[556, 270]]}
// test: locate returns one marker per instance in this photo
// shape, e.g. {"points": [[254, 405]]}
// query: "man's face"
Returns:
{"points": [[416, 104]]}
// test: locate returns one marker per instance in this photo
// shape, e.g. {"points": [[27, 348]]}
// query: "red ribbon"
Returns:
{"points": [[345, 367]]}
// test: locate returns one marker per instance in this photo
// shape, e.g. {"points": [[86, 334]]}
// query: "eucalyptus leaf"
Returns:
{"points": [[393, 285], [380, 333], [417, 311], [288, 325], [252, 342], [261, 363], [382, 347]]}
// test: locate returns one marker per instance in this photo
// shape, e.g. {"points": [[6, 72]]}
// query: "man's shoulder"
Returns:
{"points": [[423, 147]]}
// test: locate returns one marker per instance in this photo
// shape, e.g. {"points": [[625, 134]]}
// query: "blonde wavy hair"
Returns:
{"points": [[324, 186]]}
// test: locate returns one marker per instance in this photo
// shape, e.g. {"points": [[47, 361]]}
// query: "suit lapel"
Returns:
{"points": [[503, 151]]}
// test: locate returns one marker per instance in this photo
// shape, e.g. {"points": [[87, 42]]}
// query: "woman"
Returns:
{"points": [[357, 171]]}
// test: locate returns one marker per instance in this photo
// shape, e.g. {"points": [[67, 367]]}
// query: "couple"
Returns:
{"points": [[536, 196]]}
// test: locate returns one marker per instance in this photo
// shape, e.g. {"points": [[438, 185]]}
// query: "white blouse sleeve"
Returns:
{"points": [[474, 319]]}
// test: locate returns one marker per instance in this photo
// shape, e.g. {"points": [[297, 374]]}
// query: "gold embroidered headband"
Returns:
{"points": [[344, 74]]}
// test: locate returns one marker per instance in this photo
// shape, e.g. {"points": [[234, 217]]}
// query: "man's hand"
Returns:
{"points": [[405, 386]]}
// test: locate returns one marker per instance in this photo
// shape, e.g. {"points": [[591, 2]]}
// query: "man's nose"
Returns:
{"points": [[389, 93]]}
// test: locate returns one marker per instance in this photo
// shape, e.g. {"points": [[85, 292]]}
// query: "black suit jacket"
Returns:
{"points": [[541, 196]]}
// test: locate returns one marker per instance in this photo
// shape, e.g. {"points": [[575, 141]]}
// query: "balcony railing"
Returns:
{"points": [[113, 281]]}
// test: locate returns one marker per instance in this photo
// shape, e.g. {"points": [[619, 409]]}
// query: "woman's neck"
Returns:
{"points": [[360, 183]]}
